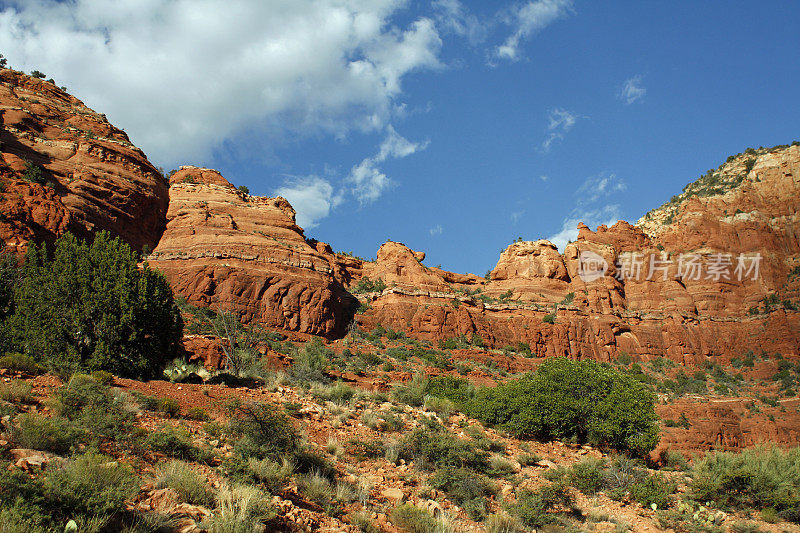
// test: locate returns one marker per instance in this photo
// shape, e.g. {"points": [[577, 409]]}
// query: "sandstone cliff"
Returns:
{"points": [[750, 205], [231, 251], [90, 176]]}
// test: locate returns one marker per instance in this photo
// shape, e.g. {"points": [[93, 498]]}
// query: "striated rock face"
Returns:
{"points": [[232, 251], [725, 423], [93, 177], [750, 205]]}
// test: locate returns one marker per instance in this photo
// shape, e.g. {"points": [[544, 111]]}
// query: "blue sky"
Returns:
{"points": [[453, 127]]}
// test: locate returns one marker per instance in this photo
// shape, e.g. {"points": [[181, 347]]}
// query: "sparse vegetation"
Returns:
{"points": [[366, 285], [756, 478], [33, 173]]}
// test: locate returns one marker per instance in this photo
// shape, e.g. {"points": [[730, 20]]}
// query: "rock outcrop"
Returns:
{"points": [[225, 249], [87, 175], [714, 272]]}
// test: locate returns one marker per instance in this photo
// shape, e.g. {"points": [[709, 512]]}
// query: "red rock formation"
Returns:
{"points": [[205, 350], [95, 179], [726, 423], [231, 251], [660, 312]]}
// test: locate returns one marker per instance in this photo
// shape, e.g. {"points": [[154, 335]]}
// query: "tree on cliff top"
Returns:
{"points": [[91, 307]]}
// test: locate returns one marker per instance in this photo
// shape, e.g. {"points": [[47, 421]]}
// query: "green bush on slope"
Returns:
{"points": [[573, 399], [91, 307]]}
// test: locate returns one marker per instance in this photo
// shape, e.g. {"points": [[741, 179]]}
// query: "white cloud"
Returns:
{"points": [[312, 198], [632, 90], [608, 215], [544, 178], [453, 17], [516, 215], [588, 207], [560, 121], [528, 19], [366, 180], [436, 230], [600, 186], [182, 76]]}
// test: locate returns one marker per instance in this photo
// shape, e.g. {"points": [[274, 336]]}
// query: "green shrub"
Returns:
{"points": [[270, 474], [176, 443], [338, 393], [746, 527], [588, 475], [169, 406], [528, 459], [92, 307], [673, 460], [263, 431], [540, 507], [363, 521], [319, 489], [94, 407], [91, 485], [757, 478], [101, 376], [239, 509], [51, 434], [482, 441], [244, 363], [466, 488], [197, 413], [90, 490], [17, 362], [412, 392], [361, 449], [581, 399], [412, 519], [365, 285], [549, 318], [16, 391], [186, 481], [33, 173], [653, 489], [435, 445], [457, 390], [441, 406], [310, 363]]}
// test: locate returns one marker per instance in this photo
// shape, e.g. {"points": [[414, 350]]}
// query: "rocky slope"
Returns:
{"points": [[63, 167], [225, 249]]}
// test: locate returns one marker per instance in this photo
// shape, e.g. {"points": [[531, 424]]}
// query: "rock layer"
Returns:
{"points": [[92, 177], [228, 250]]}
